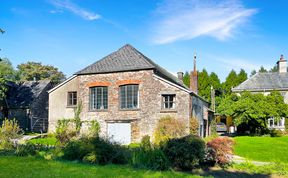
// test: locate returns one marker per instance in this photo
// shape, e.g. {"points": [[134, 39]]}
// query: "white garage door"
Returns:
{"points": [[120, 132]]}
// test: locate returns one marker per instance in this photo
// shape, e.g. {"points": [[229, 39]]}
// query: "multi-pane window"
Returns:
{"points": [[98, 98], [129, 96], [168, 101], [72, 98]]}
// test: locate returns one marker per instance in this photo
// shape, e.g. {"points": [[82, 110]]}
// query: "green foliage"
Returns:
{"points": [[204, 84], [167, 128], [253, 72], [7, 73], [9, 130], [77, 149], [194, 126], [77, 119], [28, 149], [149, 157], [231, 81], [262, 70], [213, 128], [44, 141], [63, 132], [30, 70], [254, 109], [186, 79], [94, 128], [242, 76], [276, 133], [184, 153], [96, 150]]}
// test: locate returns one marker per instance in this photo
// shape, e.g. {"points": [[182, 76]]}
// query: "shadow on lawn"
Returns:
{"points": [[224, 173]]}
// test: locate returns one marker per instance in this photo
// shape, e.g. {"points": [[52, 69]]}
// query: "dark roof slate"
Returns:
{"points": [[127, 58], [264, 81], [22, 95]]}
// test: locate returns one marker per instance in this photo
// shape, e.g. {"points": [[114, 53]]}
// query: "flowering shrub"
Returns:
{"points": [[221, 150]]}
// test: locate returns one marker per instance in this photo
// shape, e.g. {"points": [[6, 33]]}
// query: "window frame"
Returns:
{"points": [[93, 107], [163, 102], [72, 99], [132, 97]]}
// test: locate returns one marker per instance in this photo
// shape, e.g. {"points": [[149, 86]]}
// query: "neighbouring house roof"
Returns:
{"points": [[127, 58], [21, 95], [264, 81]]}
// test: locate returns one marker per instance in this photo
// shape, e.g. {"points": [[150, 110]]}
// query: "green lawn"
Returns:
{"points": [[30, 167], [270, 149], [44, 141]]}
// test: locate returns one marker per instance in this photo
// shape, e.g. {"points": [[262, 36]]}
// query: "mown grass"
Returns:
{"points": [[44, 141], [31, 167], [267, 149]]}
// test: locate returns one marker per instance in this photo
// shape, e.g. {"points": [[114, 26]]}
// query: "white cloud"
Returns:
{"points": [[188, 19], [74, 8]]}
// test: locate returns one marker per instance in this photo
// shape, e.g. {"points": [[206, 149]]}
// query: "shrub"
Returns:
{"points": [[286, 125], [77, 149], [149, 157], [95, 150], [64, 133], [276, 133], [221, 150], [28, 149], [94, 129], [213, 126], [194, 126], [8, 131], [184, 153], [167, 128]]}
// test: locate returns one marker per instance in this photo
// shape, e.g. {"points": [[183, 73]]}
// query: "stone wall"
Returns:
{"points": [[143, 120]]}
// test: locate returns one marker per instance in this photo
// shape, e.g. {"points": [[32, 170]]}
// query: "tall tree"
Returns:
{"points": [[204, 85], [262, 69], [242, 76], [186, 79], [274, 69], [34, 70], [231, 81], [253, 72], [254, 109], [7, 73]]}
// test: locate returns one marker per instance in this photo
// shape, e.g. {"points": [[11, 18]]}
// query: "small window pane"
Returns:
{"points": [[72, 98], [98, 98], [129, 96], [168, 101]]}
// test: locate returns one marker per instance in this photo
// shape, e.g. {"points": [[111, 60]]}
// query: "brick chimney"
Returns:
{"points": [[194, 77], [282, 65], [180, 76]]}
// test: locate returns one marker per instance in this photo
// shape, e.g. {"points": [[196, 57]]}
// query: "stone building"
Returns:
{"points": [[127, 93], [267, 82], [27, 102]]}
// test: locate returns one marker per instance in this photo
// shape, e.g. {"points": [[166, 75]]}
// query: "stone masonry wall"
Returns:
{"points": [[144, 119]]}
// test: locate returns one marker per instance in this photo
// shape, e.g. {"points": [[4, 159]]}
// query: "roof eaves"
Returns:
{"points": [[64, 82]]}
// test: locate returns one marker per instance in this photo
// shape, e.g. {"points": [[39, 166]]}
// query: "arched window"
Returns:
{"points": [[98, 98], [129, 96]]}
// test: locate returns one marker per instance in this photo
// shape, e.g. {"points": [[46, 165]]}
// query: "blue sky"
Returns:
{"points": [[71, 34]]}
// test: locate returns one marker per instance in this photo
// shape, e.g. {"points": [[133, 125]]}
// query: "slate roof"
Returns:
{"points": [[127, 58], [22, 95], [264, 81]]}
